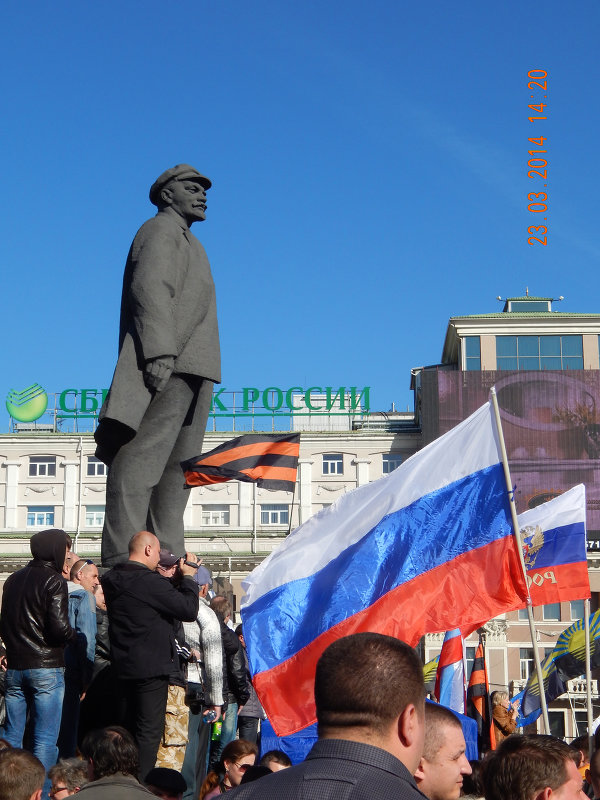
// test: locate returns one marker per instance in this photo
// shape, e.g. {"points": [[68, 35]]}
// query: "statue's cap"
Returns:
{"points": [[181, 172]]}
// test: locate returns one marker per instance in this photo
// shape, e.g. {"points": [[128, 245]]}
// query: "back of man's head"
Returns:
{"points": [[221, 606], [144, 548], [363, 684], [21, 775], [111, 750], [71, 773], [444, 761], [530, 767], [275, 760]]}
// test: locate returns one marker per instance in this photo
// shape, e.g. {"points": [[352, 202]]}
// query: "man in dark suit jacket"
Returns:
{"points": [[370, 701], [156, 410]]}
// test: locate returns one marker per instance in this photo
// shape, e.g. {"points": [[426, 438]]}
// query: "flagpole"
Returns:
{"points": [[517, 532], [588, 673]]}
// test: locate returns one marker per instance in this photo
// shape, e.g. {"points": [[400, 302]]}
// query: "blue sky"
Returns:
{"points": [[369, 167]]}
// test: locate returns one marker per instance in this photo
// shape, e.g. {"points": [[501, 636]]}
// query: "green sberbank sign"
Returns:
{"points": [[31, 403]]}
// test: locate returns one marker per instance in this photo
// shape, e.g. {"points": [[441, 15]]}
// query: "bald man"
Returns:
{"points": [[142, 607]]}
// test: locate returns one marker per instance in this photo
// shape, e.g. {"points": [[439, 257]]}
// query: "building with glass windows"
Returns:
{"points": [[544, 365]]}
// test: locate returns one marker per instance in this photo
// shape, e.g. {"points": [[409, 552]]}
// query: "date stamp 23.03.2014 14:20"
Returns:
{"points": [[537, 166]]}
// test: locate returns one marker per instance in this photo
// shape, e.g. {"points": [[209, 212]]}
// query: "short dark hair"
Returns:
{"points": [[21, 774], [275, 757], [71, 771], [436, 719], [221, 606], [522, 766], [111, 750], [367, 679]]}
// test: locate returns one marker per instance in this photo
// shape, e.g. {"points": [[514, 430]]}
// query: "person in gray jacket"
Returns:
{"points": [[156, 410]]}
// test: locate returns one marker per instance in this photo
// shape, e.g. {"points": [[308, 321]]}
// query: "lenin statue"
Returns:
{"points": [[155, 413]]}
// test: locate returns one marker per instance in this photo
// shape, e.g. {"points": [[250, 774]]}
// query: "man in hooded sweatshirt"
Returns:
{"points": [[35, 629]]}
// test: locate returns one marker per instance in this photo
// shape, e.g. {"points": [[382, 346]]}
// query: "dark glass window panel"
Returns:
{"points": [[472, 346], [529, 305], [529, 363], [573, 363], [551, 363], [507, 363], [473, 364], [528, 345], [506, 346], [572, 346], [550, 346]]}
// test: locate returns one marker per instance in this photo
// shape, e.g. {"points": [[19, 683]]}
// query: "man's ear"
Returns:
{"points": [[36, 795], [545, 794], [408, 725], [420, 772]]}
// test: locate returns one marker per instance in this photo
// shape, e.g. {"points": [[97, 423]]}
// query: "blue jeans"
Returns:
{"points": [[228, 733], [39, 691]]}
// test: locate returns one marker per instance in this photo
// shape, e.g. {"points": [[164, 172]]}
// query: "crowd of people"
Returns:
{"points": [[133, 683]]}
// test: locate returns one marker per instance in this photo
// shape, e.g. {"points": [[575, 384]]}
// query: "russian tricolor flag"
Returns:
{"points": [[425, 549], [450, 676], [555, 549]]}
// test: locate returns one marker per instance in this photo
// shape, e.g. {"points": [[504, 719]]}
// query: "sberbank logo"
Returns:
{"points": [[27, 405]]}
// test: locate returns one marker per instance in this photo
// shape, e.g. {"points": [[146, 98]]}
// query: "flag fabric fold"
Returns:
{"points": [[450, 677], [478, 701], [405, 555], [554, 548], [269, 460]]}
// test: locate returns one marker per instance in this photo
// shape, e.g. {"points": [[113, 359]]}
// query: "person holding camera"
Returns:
{"points": [[205, 685], [142, 607]]}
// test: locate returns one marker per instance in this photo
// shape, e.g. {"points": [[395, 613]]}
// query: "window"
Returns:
{"points": [[472, 352], [577, 609], [527, 662], [470, 658], [551, 611], [333, 464], [390, 462], [95, 467], [40, 516], [539, 352], [274, 514], [215, 515], [42, 466], [523, 614], [94, 516], [557, 723]]}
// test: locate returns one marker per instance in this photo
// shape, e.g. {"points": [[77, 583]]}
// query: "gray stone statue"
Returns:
{"points": [[155, 413]]}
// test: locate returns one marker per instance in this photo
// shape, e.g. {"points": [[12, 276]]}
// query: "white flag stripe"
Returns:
{"points": [[468, 448], [566, 509]]}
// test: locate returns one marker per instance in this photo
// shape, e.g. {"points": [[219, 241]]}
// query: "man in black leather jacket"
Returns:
{"points": [[35, 629]]}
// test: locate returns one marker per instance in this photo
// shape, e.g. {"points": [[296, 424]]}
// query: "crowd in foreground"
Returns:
{"points": [[376, 735]]}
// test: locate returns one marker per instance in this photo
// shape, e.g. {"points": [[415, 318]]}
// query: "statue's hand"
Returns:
{"points": [[158, 371]]}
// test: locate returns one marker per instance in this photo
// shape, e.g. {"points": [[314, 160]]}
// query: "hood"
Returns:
{"points": [[50, 545]]}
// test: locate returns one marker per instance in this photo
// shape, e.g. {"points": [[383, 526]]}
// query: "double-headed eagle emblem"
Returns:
{"points": [[532, 537]]}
